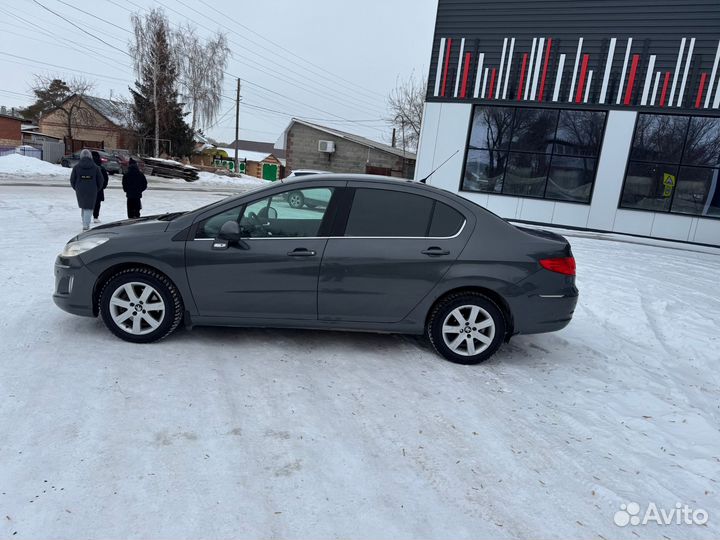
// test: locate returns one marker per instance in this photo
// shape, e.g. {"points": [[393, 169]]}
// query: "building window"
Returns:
{"points": [[674, 165], [534, 152]]}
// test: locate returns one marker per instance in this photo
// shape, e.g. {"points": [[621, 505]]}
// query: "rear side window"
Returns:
{"points": [[379, 212], [446, 221]]}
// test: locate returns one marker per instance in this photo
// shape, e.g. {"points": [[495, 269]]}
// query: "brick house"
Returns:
{"points": [[311, 146], [96, 122], [10, 131]]}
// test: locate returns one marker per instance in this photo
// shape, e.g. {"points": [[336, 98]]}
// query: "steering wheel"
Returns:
{"points": [[257, 224]]}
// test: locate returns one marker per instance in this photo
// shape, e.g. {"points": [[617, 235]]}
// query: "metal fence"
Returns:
{"points": [[49, 151], [25, 150]]}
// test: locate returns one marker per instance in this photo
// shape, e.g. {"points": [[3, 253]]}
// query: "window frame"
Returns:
{"points": [[341, 223], [327, 224], [678, 165], [509, 150]]}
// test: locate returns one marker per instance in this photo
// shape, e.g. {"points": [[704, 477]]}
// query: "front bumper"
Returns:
{"points": [[74, 286]]}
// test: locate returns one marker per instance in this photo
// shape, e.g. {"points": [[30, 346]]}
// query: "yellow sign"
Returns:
{"points": [[669, 183]]}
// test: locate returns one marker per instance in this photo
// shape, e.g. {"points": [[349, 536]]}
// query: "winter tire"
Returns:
{"points": [[466, 328], [140, 305], [296, 199]]}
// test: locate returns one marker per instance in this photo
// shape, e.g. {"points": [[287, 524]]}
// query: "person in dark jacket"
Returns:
{"points": [[101, 193], [133, 183], [86, 179]]}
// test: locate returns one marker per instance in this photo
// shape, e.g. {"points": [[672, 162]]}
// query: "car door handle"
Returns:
{"points": [[301, 252], [435, 251]]}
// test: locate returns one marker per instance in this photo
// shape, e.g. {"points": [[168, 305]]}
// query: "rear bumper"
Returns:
{"points": [[546, 312], [73, 287]]}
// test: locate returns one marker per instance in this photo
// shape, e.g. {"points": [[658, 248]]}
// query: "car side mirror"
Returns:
{"points": [[229, 235]]}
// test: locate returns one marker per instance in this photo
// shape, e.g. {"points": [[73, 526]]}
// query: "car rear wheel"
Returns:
{"points": [[466, 328], [296, 199], [140, 305]]}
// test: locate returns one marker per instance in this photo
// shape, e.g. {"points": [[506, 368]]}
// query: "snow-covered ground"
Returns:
{"points": [[15, 168], [228, 433]]}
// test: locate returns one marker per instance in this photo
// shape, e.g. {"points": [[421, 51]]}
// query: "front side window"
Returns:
{"points": [[292, 214], [674, 165], [534, 152], [386, 213]]}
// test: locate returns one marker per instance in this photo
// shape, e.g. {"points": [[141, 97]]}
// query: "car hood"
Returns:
{"points": [[143, 225]]}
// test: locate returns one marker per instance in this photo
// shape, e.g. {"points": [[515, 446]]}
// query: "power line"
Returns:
{"points": [[26, 59], [79, 28], [95, 17], [350, 85], [302, 83], [354, 86]]}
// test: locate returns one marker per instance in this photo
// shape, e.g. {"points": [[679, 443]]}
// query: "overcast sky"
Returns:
{"points": [[329, 61]]}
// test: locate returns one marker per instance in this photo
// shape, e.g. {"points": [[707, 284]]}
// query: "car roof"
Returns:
{"points": [[377, 180]]}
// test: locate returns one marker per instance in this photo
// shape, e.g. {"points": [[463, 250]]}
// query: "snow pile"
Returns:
{"points": [[16, 164], [242, 180]]}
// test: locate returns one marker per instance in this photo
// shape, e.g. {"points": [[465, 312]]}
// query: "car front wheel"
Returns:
{"points": [[140, 305], [466, 328]]}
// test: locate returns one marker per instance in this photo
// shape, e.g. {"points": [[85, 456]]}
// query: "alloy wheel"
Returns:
{"points": [[137, 308], [468, 330]]}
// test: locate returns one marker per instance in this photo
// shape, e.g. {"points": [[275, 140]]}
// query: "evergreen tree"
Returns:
{"points": [[49, 94], [156, 109]]}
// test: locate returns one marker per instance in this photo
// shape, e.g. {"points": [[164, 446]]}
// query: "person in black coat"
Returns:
{"points": [[133, 183], [101, 193], [86, 179]]}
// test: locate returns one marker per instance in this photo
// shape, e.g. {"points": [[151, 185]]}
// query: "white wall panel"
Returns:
{"points": [[672, 227], [451, 137], [633, 222], [428, 136], [611, 169], [707, 232], [507, 207], [574, 215], [536, 210]]}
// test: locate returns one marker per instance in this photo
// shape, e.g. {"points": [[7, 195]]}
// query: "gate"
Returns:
{"points": [[269, 171], [53, 151]]}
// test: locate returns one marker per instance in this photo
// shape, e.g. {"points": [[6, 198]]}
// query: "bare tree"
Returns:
{"points": [[154, 58], [55, 94], [202, 70], [406, 107]]}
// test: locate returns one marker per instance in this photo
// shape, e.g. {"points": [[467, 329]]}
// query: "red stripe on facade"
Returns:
{"points": [[664, 90], [545, 68], [522, 76], [463, 92], [447, 63], [583, 74], [492, 82], [631, 79], [700, 90]]}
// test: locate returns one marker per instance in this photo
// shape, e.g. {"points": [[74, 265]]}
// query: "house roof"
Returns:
{"points": [[364, 141], [258, 146], [247, 154], [112, 110], [9, 117]]}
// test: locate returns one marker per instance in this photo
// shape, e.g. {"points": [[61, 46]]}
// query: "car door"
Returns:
{"points": [[397, 245], [273, 272]]}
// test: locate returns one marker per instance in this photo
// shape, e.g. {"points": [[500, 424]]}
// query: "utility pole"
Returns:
{"points": [[237, 124]]}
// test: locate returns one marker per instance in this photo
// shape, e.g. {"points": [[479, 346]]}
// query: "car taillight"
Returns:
{"points": [[561, 265], [103, 159]]}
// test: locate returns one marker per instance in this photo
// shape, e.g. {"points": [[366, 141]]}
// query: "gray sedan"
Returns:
{"points": [[383, 255]]}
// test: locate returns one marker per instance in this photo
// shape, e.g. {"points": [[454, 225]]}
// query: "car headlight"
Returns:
{"points": [[81, 246]]}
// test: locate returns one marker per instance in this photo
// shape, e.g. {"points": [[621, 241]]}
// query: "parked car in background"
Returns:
{"points": [[385, 255], [123, 158], [296, 199], [109, 161]]}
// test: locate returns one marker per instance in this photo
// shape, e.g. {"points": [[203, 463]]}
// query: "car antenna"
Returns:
{"points": [[424, 180]]}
